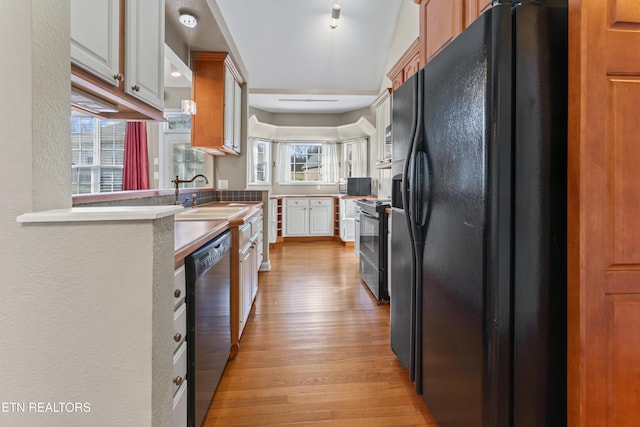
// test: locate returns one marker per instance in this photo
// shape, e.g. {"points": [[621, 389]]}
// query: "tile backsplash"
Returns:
{"points": [[204, 197]]}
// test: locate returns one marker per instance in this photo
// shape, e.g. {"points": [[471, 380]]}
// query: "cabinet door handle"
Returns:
{"points": [[119, 77], [178, 380], [135, 88], [177, 293], [177, 337]]}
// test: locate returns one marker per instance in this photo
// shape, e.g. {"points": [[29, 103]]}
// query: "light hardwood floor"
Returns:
{"points": [[315, 350]]}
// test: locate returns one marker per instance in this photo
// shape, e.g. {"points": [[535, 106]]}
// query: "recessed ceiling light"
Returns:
{"points": [[306, 100], [175, 73], [188, 19]]}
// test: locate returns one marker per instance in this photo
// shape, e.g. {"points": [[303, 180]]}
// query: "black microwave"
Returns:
{"points": [[359, 186]]}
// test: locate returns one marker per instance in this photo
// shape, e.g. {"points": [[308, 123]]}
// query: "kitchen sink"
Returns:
{"points": [[210, 212]]}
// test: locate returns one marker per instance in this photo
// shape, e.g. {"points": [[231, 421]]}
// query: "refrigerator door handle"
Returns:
{"points": [[422, 188]]}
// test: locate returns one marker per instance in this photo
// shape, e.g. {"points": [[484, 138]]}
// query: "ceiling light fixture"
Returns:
{"points": [[188, 19], [175, 73], [306, 100], [335, 15]]}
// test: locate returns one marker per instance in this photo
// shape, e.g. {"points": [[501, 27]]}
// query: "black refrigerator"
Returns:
{"points": [[483, 190]]}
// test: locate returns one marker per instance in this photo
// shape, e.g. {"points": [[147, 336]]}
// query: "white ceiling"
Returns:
{"points": [[293, 60]]}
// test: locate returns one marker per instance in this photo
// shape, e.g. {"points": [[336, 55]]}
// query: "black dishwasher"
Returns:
{"points": [[208, 275]]}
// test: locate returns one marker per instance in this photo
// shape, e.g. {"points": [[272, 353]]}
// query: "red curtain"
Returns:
{"points": [[135, 175]]}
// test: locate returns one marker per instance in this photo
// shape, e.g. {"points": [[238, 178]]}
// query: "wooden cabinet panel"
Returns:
{"points": [[440, 22], [412, 67], [624, 344], [625, 158], [473, 9], [603, 201], [406, 66], [214, 78]]}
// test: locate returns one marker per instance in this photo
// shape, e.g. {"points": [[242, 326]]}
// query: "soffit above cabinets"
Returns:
{"points": [[361, 128]]}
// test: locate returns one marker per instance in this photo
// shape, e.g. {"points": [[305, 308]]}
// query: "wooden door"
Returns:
{"points": [[604, 213]]}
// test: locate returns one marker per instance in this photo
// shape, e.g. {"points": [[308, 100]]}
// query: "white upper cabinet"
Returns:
{"points": [[383, 121], [144, 61], [134, 78], [232, 111], [237, 113], [95, 36]]}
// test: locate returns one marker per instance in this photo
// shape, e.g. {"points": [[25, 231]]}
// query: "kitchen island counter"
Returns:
{"points": [[190, 235]]}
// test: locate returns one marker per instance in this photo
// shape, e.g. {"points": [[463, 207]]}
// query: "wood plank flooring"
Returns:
{"points": [[315, 350]]}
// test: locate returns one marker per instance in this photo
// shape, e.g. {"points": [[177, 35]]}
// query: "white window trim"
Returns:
{"points": [[97, 161], [285, 169], [251, 157]]}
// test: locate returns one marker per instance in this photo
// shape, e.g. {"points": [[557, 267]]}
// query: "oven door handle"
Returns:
{"points": [[367, 214]]}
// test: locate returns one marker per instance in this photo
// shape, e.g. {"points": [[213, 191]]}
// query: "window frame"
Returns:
{"points": [[283, 178], [167, 138], [96, 167], [252, 162]]}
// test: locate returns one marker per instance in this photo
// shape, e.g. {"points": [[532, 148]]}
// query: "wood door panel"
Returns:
{"points": [[624, 11], [623, 170], [603, 206], [623, 50], [624, 369]]}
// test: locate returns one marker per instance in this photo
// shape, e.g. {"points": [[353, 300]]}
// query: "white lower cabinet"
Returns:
{"points": [[347, 220], [180, 406], [179, 349], [251, 255], [179, 367], [246, 276], [309, 216]]}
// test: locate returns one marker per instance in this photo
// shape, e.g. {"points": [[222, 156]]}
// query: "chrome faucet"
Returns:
{"points": [[179, 181]]}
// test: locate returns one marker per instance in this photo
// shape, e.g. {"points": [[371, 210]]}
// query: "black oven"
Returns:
{"points": [[373, 246]]}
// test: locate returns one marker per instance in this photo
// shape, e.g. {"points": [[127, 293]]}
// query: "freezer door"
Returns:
{"points": [[400, 287]]}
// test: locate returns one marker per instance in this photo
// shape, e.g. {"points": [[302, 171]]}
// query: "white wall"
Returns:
{"points": [[407, 29], [72, 328]]}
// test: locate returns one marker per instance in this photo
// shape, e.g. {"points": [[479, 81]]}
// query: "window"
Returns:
{"points": [[307, 162], [97, 149], [355, 158], [304, 164], [259, 162], [178, 158], [347, 159]]}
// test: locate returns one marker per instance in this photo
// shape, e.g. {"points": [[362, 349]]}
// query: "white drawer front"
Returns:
{"points": [[256, 227], [179, 278], [179, 326], [180, 406], [320, 202], [245, 233], [179, 367], [297, 202]]}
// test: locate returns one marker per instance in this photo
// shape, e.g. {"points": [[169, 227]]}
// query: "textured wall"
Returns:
{"points": [[77, 311]]}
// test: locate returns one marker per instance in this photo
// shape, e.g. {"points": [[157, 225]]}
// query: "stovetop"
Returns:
{"points": [[374, 204]]}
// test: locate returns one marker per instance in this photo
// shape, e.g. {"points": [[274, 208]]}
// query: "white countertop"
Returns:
{"points": [[105, 213]]}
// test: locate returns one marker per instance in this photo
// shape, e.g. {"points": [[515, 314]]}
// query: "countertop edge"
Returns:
{"points": [[106, 213]]}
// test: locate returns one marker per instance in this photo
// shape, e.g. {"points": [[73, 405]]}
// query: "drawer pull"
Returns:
{"points": [[177, 293], [135, 88], [119, 77], [177, 337], [178, 380]]}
